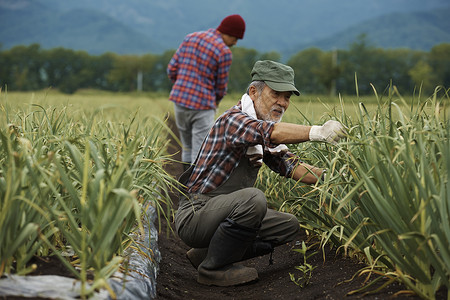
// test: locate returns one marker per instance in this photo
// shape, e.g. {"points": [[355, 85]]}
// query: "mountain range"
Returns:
{"points": [[285, 26]]}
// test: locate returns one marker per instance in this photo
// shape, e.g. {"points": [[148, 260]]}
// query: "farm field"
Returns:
{"points": [[334, 216], [121, 106]]}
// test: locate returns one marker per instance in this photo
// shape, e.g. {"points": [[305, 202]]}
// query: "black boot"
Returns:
{"points": [[257, 248], [196, 256], [227, 246]]}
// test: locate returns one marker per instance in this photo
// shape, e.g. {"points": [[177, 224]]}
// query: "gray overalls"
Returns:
{"points": [[199, 215]]}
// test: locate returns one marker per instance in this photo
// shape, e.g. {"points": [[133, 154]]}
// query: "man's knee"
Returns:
{"points": [[294, 225], [291, 228], [252, 207], [256, 201]]}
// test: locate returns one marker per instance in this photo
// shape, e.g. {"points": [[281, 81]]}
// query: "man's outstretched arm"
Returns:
{"points": [[289, 133]]}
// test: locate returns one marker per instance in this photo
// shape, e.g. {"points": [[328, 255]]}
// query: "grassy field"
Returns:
{"points": [[115, 106], [122, 106]]}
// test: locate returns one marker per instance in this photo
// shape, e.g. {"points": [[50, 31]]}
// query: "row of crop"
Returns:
{"points": [[78, 189], [386, 196]]}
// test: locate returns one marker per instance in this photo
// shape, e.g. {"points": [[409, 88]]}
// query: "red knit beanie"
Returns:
{"points": [[233, 25]]}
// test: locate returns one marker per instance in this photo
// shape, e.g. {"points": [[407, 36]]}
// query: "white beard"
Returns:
{"points": [[255, 153]]}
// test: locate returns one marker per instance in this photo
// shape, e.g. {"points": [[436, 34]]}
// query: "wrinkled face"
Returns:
{"points": [[229, 40], [270, 105]]}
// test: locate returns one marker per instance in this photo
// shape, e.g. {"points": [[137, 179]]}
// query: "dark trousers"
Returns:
{"points": [[199, 216]]}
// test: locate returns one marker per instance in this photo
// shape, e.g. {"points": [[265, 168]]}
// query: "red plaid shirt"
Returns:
{"points": [[199, 70], [227, 142]]}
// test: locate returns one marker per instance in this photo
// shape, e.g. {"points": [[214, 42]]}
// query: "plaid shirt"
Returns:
{"points": [[226, 144], [199, 70]]}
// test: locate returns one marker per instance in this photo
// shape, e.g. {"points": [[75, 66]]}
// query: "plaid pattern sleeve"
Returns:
{"points": [[222, 76], [227, 143], [199, 70], [284, 165]]}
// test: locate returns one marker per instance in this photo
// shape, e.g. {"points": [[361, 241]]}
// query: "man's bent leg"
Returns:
{"points": [[228, 245], [230, 220], [257, 248], [246, 207], [278, 227]]}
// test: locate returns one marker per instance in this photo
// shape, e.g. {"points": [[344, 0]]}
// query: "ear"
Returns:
{"points": [[253, 92]]}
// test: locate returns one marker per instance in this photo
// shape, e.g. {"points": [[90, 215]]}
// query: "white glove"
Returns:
{"points": [[330, 132]]}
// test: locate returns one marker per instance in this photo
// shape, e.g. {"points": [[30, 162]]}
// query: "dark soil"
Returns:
{"points": [[331, 278]]}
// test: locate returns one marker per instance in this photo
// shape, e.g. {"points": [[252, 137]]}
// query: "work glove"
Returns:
{"points": [[330, 132]]}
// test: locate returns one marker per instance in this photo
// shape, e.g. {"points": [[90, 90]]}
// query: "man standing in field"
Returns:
{"points": [[222, 216], [199, 73]]}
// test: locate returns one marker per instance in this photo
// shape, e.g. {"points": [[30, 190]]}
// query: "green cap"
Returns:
{"points": [[277, 76]]}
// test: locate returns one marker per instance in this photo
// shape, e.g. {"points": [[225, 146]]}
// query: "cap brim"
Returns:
{"points": [[282, 87]]}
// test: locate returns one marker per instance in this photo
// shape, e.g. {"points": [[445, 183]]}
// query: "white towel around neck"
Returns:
{"points": [[255, 153]]}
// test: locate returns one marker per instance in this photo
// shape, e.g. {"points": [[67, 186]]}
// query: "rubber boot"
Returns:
{"points": [[227, 246], [258, 248], [196, 256]]}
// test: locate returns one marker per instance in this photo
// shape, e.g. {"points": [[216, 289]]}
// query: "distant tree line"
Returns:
{"points": [[26, 68]]}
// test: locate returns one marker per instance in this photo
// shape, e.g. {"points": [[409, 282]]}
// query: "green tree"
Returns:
{"points": [[394, 65], [100, 66], [327, 71], [423, 76], [67, 70], [22, 68], [359, 62], [306, 65], [439, 60], [156, 78], [241, 67], [316, 71], [272, 55], [123, 75], [81, 72], [376, 67], [4, 70]]}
